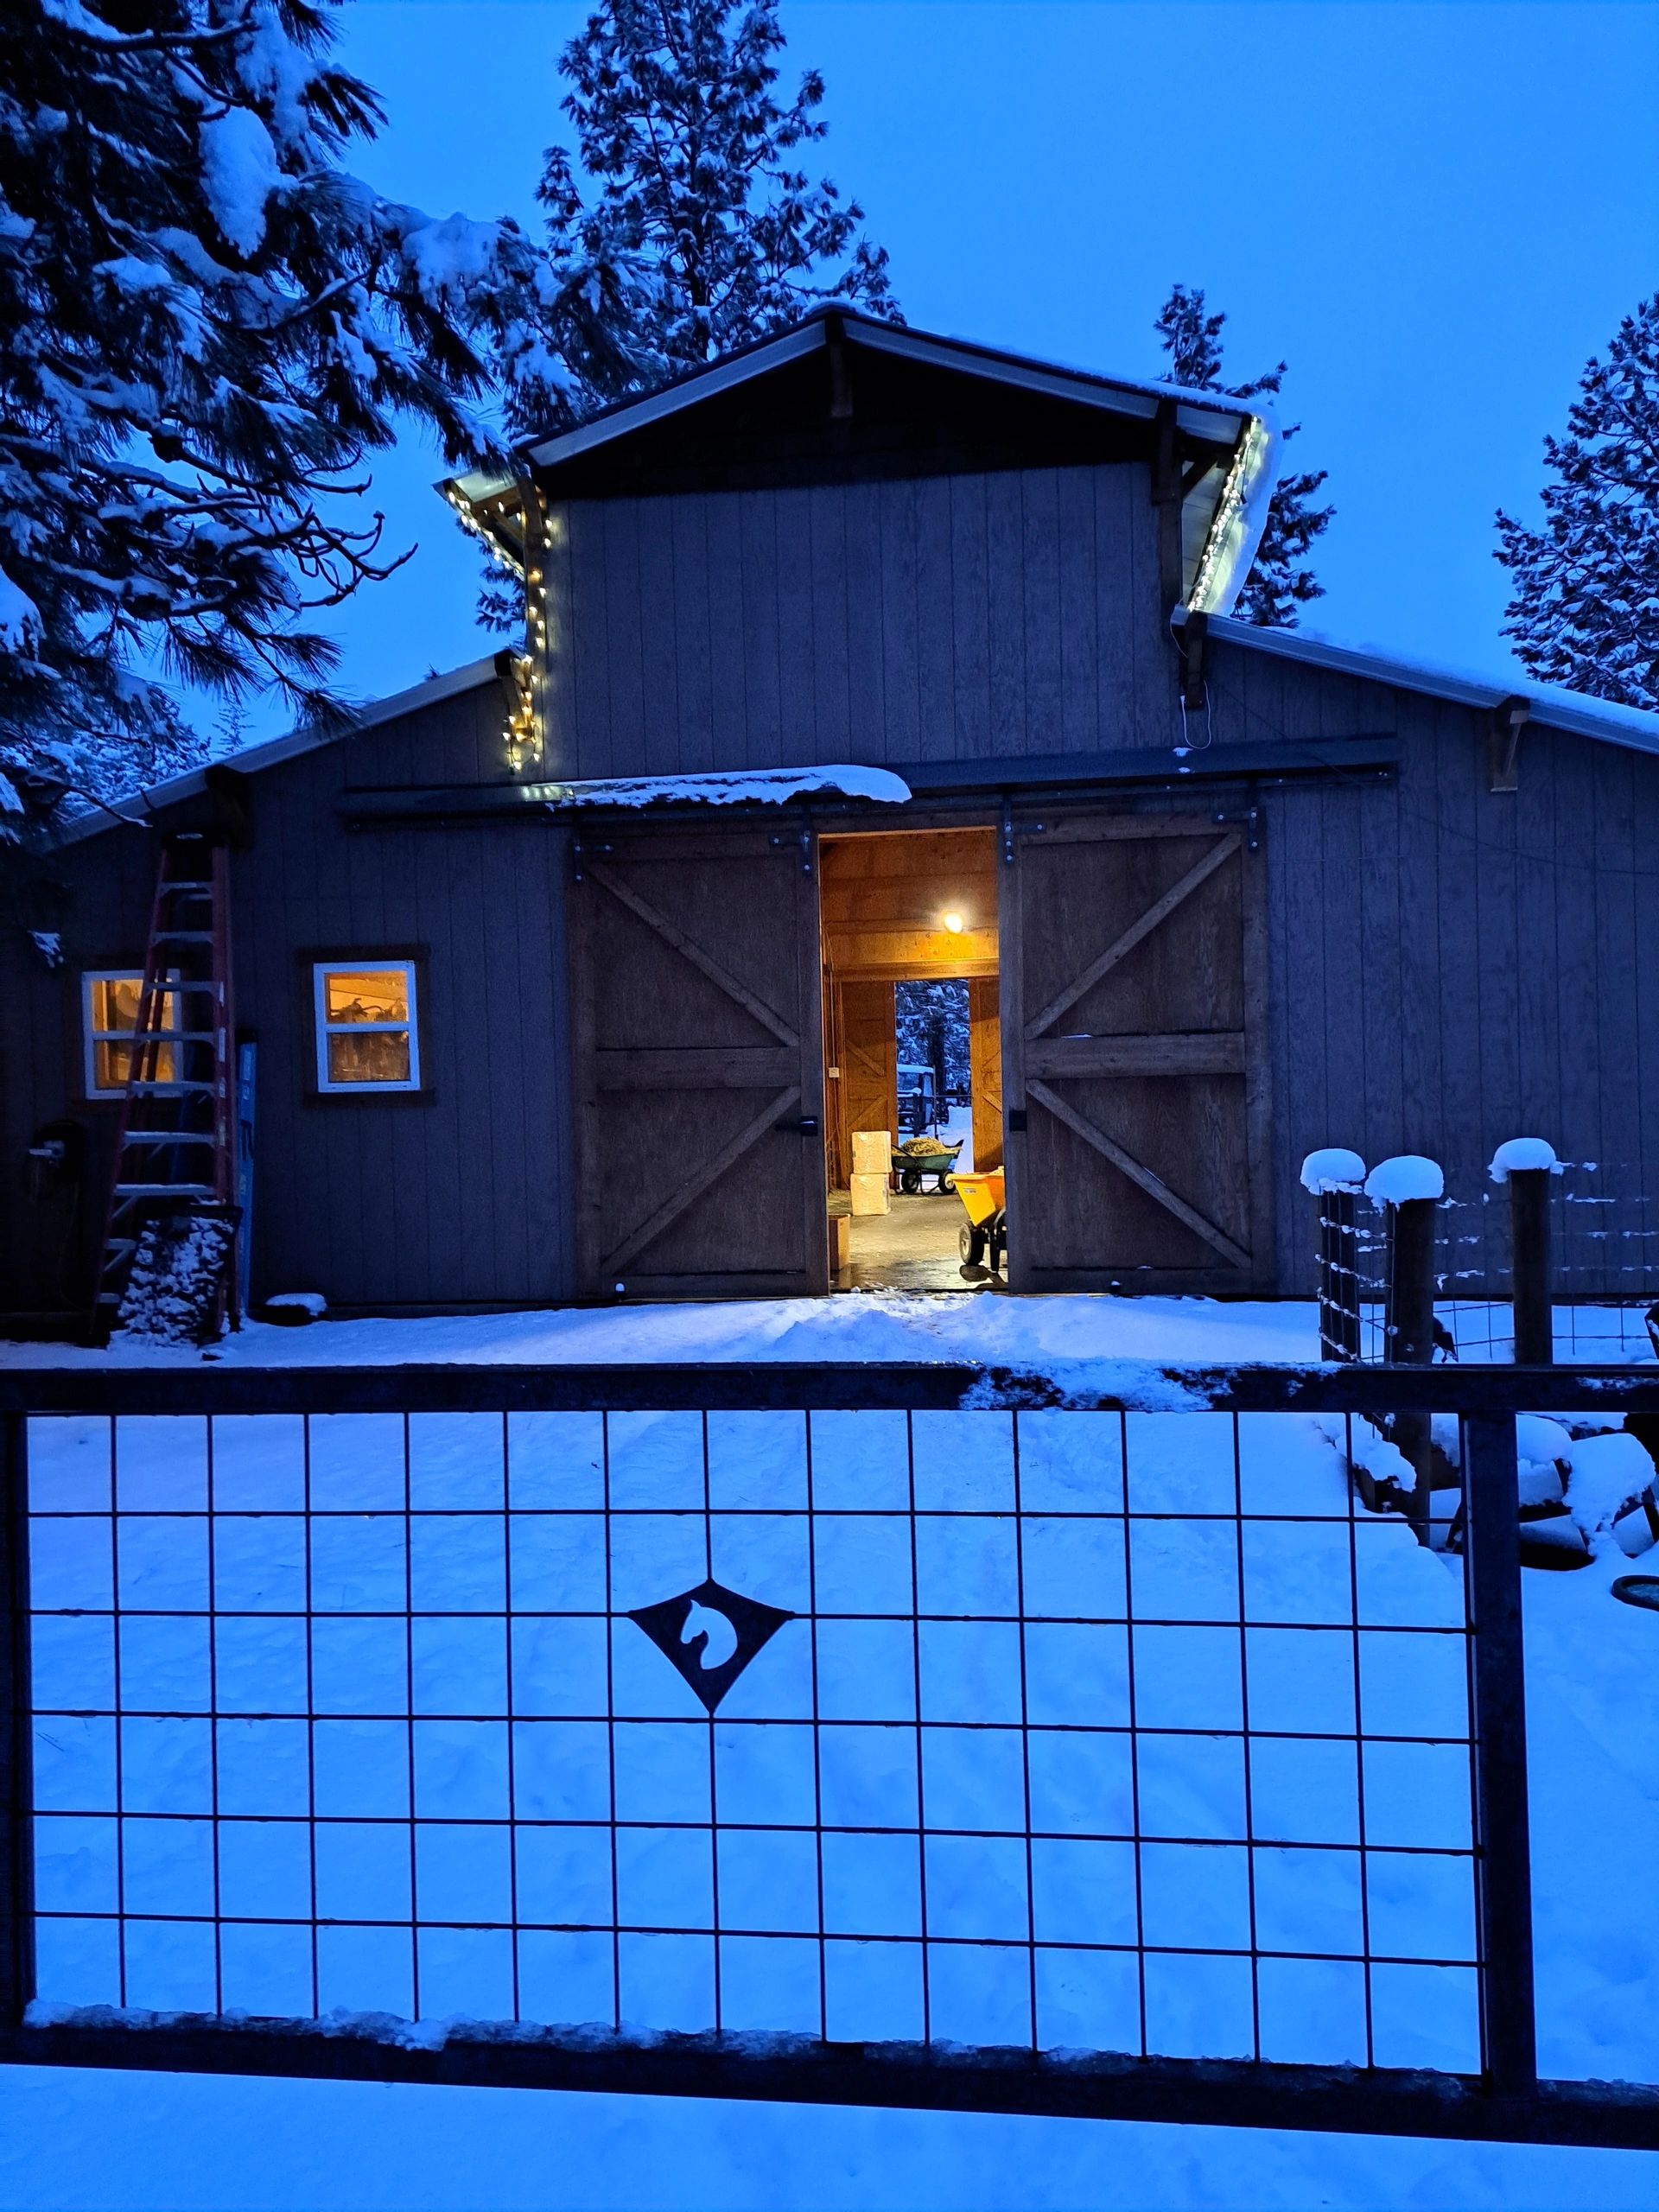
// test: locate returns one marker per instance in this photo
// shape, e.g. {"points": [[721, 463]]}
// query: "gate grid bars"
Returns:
{"points": [[895, 1735]]}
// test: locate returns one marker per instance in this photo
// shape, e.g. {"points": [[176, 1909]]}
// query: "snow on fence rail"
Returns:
{"points": [[888, 1734]]}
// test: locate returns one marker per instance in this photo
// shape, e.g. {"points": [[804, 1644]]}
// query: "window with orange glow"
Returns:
{"points": [[109, 1017], [367, 1036]]}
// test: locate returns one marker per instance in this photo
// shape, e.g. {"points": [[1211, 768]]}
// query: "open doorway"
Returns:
{"points": [[913, 1051]]}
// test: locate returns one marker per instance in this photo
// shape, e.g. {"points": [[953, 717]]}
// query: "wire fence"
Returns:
{"points": [[1057, 1730], [1605, 1271]]}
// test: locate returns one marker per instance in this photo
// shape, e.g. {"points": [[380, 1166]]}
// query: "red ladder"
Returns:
{"points": [[175, 1140]]}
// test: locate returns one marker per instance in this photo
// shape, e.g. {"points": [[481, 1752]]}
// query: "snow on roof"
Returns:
{"points": [[739, 787], [136, 806], [1550, 704]]}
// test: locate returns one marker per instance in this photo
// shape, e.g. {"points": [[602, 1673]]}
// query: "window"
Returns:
{"points": [[367, 1037], [109, 1009]]}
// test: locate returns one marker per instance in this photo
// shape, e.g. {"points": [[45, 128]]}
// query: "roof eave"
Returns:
{"points": [[1199, 415], [1553, 708], [135, 809]]}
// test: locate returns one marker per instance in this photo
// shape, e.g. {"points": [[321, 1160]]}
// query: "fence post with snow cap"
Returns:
{"points": [[1526, 1165], [1408, 1188], [1497, 1686], [1334, 1176]]}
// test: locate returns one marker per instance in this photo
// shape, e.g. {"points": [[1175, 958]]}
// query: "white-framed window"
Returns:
{"points": [[368, 1034], [109, 999]]}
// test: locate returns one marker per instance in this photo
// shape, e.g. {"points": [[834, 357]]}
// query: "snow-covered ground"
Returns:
{"points": [[957, 1127], [74, 2142], [1087, 1335], [945, 1678], [857, 1326]]}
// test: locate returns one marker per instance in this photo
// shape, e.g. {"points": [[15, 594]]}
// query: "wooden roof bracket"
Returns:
{"points": [[1503, 727], [1193, 651]]}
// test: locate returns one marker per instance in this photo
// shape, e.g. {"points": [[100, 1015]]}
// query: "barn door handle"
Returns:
{"points": [[806, 1126]]}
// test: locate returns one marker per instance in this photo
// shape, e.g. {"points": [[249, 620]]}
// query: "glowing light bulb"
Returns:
{"points": [[953, 922]]}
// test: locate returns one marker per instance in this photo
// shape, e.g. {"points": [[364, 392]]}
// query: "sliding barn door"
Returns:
{"points": [[698, 1063], [1134, 1057]]}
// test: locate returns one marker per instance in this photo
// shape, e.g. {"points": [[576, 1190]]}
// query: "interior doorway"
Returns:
{"points": [[912, 1048]]}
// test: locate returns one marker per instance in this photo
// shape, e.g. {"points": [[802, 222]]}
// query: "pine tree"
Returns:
{"points": [[205, 327], [684, 223], [1586, 608], [696, 191], [933, 1031], [1280, 579]]}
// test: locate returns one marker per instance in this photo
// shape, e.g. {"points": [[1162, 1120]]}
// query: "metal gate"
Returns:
{"points": [[893, 1735]]}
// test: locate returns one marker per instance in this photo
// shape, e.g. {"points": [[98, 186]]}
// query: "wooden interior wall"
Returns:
{"points": [[866, 1096], [883, 897], [985, 1070]]}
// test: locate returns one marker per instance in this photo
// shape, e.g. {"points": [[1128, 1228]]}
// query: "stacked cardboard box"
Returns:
{"points": [[872, 1151], [872, 1166]]}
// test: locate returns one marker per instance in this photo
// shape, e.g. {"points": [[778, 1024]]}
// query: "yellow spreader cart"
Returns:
{"points": [[984, 1234]]}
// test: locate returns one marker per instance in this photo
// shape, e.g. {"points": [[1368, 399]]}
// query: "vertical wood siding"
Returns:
{"points": [[949, 618]]}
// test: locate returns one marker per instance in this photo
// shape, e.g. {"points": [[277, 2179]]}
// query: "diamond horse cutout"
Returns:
{"points": [[711, 1634]]}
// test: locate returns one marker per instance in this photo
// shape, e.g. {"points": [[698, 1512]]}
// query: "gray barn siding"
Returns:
{"points": [[1450, 967], [946, 618], [381, 1202]]}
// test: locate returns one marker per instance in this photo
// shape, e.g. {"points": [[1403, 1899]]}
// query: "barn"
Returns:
{"points": [[863, 657]]}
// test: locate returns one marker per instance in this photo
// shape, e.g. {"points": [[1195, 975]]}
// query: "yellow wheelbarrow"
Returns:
{"points": [[984, 1234]]}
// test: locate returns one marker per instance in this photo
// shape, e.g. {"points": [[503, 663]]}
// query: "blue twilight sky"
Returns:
{"points": [[1434, 213]]}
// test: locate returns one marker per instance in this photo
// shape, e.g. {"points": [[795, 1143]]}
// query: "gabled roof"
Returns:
{"points": [[1223, 511], [1548, 704], [1211, 415]]}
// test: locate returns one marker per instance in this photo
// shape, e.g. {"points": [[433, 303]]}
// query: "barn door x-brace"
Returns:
{"points": [[1142, 1053], [698, 1064]]}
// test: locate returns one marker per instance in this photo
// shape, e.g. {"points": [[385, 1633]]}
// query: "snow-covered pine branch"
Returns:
{"points": [[1584, 612], [206, 327]]}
